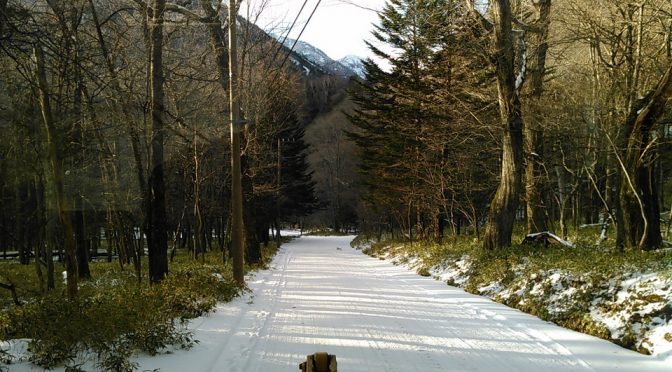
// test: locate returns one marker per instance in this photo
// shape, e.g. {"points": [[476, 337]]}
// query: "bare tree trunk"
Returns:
{"points": [[39, 247], [506, 200], [79, 216], [669, 224], [639, 194], [227, 63], [158, 248], [237, 224], [12, 288], [82, 251], [56, 161], [199, 233], [252, 249], [49, 249], [537, 219], [135, 142], [562, 200], [278, 193]]}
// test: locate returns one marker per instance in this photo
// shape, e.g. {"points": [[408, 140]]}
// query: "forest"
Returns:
{"points": [[110, 149], [549, 113]]}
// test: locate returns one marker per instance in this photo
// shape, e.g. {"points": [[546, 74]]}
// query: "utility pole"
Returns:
{"points": [[237, 245], [278, 192]]}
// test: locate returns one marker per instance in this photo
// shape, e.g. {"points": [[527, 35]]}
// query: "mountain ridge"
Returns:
{"points": [[347, 67]]}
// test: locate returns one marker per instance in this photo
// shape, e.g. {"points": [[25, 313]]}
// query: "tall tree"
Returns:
{"points": [[408, 121], [639, 194], [237, 224], [158, 239], [505, 202], [56, 161], [537, 219]]}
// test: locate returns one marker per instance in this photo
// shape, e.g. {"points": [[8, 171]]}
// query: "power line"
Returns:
{"points": [[282, 43], [277, 71], [301, 33]]}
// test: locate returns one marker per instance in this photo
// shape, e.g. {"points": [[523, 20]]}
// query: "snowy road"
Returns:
{"points": [[322, 295]]}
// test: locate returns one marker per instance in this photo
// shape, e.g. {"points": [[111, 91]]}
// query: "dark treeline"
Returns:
{"points": [[77, 167], [548, 112]]}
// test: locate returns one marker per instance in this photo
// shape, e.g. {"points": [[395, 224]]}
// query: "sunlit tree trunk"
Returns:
{"points": [[639, 194], [537, 219], [505, 203]]}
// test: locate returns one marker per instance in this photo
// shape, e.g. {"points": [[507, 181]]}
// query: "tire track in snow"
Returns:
{"points": [[498, 330], [262, 331], [269, 287], [378, 317]]}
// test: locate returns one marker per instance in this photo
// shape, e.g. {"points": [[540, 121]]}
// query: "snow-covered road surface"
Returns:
{"points": [[322, 295]]}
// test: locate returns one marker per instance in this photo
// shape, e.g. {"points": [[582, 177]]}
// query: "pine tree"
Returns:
{"points": [[408, 119], [297, 195]]}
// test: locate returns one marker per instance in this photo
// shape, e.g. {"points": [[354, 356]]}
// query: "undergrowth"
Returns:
{"points": [[114, 316]]}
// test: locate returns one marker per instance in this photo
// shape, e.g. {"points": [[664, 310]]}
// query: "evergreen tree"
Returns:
{"points": [[297, 195], [409, 120]]}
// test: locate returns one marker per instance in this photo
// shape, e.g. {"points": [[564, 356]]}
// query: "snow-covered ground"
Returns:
{"points": [[635, 306], [321, 295], [631, 306]]}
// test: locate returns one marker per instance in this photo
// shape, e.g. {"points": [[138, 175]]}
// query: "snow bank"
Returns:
{"points": [[638, 307], [633, 309]]}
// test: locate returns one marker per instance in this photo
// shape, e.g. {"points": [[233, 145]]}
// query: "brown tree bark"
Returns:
{"points": [[537, 219], [505, 203], [82, 248], [237, 224], [133, 135], [228, 79], [56, 161], [79, 216], [39, 216], [12, 288], [158, 244], [252, 248], [639, 194]]}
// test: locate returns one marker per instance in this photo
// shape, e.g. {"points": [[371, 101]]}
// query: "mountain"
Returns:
{"points": [[347, 67], [355, 64]]}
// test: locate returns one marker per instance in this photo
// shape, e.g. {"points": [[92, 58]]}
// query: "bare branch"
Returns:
{"points": [[171, 7], [525, 26], [12, 288], [481, 19]]}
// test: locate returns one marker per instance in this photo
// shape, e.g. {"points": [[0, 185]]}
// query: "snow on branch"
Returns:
{"points": [[522, 52]]}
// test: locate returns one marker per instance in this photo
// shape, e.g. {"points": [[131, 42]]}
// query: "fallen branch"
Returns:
{"points": [[12, 288]]}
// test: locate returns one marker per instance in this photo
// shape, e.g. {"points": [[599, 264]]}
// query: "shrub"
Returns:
{"points": [[115, 316]]}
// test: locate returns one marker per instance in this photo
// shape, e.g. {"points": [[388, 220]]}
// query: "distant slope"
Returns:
{"points": [[347, 67], [355, 64], [307, 58]]}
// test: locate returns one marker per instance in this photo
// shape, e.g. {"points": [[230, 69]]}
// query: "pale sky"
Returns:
{"points": [[338, 27]]}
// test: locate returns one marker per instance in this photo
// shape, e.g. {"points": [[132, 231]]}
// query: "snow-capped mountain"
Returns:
{"points": [[347, 67], [355, 64]]}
